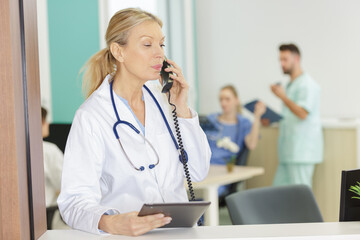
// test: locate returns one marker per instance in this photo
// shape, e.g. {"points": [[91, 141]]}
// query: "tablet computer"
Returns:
{"points": [[183, 214], [269, 113]]}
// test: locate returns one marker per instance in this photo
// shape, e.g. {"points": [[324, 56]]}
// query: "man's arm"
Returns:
{"points": [[299, 111]]}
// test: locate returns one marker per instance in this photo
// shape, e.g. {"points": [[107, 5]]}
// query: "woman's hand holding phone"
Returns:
{"points": [[179, 91]]}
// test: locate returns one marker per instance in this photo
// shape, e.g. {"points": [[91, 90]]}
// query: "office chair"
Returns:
{"points": [[50, 211], [58, 134], [271, 205]]}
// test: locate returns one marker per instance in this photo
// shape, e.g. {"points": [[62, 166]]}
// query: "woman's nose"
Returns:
{"points": [[159, 52]]}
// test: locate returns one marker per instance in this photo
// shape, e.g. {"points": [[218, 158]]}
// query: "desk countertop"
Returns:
{"points": [[218, 175], [332, 231], [335, 123], [341, 123]]}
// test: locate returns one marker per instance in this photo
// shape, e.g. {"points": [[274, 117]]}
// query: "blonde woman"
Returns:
{"points": [[232, 132], [121, 152]]}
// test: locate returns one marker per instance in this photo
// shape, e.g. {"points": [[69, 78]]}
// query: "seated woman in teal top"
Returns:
{"points": [[231, 131]]}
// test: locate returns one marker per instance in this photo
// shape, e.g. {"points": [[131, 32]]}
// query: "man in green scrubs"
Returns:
{"points": [[300, 144]]}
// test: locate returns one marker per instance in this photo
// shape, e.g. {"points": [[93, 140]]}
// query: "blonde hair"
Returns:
{"points": [[232, 89], [103, 62]]}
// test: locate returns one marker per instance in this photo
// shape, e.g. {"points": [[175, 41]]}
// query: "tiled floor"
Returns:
{"points": [[224, 218]]}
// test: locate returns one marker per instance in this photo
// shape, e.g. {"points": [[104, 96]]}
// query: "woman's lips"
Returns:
{"points": [[157, 67]]}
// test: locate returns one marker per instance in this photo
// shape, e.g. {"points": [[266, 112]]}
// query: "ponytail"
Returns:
{"points": [[96, 69]]}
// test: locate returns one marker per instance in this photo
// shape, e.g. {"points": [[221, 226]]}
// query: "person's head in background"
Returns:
{"points": [[45, 124], [290, 59], [229, 100]]}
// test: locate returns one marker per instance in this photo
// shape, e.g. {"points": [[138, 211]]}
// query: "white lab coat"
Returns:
{"points": [[98, 179]]}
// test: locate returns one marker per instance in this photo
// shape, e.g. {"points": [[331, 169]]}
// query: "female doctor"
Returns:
{"points": [[121, 152]]}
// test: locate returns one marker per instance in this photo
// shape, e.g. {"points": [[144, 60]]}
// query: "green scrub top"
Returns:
{"points": [[301, 141]]}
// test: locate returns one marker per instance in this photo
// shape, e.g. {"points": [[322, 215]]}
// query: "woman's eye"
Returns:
{"points": [[147, 45], [162, 45]]}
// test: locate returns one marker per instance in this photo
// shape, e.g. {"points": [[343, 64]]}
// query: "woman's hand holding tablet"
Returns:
{"points": [[182, 214], [131, 224]]}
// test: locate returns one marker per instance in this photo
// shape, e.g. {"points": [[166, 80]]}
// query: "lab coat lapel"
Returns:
{"points": [[149, 115], [154, 123]]}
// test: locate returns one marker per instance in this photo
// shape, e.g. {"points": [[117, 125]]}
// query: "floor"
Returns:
{"points": [[224, 218]]}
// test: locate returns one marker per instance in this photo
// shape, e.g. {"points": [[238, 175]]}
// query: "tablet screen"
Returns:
{"points": [[182, 214]]}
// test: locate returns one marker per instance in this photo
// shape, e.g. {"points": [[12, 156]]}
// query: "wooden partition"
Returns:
{"points": [[22, 198], [34, 113]]}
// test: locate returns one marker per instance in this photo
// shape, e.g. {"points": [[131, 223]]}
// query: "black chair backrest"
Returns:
{"points": [[59, 134], [271, 205], [50, 211], [242, 157], [205, 123], [349, 206]]}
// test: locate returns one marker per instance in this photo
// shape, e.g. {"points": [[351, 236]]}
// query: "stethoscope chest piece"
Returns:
{"points": [[131, 126], [145, 140]]}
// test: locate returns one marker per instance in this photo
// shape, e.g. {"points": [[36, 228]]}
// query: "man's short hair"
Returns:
{"points": [[43, 114], [290, 47]]}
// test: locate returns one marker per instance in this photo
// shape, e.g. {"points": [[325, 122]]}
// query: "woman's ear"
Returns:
{"points": [[117, 51]]}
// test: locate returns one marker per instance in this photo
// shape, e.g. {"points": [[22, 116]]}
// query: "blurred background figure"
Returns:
{"points": [[300, 134], [53, 161], [231, 132]]}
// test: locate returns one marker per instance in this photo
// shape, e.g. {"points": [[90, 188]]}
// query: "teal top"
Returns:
{"points": [[301, 141]]}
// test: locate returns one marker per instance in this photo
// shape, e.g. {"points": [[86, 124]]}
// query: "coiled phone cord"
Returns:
{"points": [[183, 155]]}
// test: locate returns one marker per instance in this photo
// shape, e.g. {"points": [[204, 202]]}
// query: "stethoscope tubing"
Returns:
{"points": [[119, 121]]}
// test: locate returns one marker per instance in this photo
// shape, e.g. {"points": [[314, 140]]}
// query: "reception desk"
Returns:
{"points": [[319, 231], [341, 152]]}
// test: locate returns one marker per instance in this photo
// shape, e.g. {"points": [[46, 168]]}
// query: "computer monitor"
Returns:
{"points": [[349, 207]]}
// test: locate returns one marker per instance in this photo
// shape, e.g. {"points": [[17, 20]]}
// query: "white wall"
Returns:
{"points": [[107, 8], [44, 57], [238, 43]]}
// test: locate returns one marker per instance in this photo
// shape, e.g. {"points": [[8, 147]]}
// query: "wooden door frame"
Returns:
{"points": [[22, 197]]}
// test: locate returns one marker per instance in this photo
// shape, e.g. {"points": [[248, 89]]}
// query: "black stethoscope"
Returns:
{"points": [[119, 121]]}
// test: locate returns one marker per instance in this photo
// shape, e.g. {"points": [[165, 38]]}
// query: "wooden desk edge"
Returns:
{"points": [[257, 171]]}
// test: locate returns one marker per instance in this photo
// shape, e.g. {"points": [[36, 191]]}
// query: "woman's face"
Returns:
{"points": [[228, 101], [144, 52]]}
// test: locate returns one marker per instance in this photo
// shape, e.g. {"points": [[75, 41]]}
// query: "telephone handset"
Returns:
{"points": [[167, 83], [166, 80]]}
